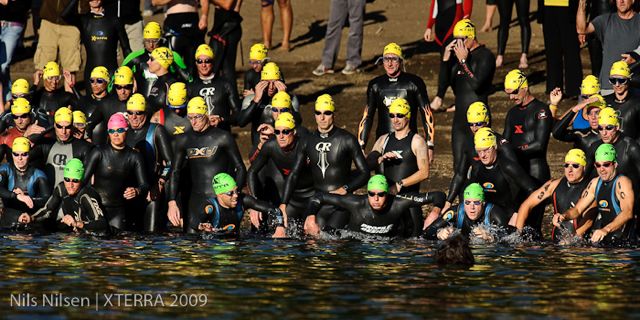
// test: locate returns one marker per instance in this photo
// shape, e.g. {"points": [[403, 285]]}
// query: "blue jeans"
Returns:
{"points": [[9, 37]]}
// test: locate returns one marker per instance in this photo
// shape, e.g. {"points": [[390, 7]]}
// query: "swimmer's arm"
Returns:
{"points": [[364, 127], [90, 209], [428, 122], [560, 131], [519, 176], [349, 202], [436, 197], [432, 231], [140, 174], [42, 194], [482, 74], [258, 163], [624, 194], [362, 170], [543, 193], [163, 141], [292, 180], [586, 200], [588, 218], [176, 167], [420, 149], [52, 205], [252, 202], [374, 157]]}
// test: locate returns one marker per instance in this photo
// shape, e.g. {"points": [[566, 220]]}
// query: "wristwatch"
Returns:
{"points": [[463, 61], [346, 188]]}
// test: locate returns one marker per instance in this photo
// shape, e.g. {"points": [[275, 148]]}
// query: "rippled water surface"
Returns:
{"points": [[254, 278]]}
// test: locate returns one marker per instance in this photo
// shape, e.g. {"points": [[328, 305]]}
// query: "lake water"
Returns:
{"points": [[258, 278]]}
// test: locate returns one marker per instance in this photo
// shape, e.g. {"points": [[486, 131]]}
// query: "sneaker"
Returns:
{"points": [[350, 69], [147, 13], [322, 70]]}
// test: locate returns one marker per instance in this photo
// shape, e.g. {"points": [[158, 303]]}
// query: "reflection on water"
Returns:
{"points": [[253, 278]]}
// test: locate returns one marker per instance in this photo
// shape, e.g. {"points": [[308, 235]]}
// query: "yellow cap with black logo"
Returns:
{"points": [[51, 69], [281, 100], [258, 52], [515, 80], [63, 114], [20, 86], [621, 69], [152, 30], [477, 112], [393, 48], [576, 156], [204, 50], [270, 71], [197, 105], [79, 117], [123, 76], [400, 106], [484, 138], [464, 29], [608, 117], [100, 72], [177, 95], [285, 120], [21, 144], [20, 106], [590, 86], [136, 103], [163, 55], [325, 103]]}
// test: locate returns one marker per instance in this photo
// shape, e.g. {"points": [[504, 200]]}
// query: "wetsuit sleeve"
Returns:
{"points": [[235, 105], [90, 165], [236, 163], [500, 218], [139, 171], [5, 193], [480, 74], [176, 167], [361, 166], [367, 118], [560, 129], [258, 163], [92, 211], [252, 202], [432, 231], [43, 192], [39, 153], [244, 116], [349, 202], [163, 144], [130, 60], [435, 197], [94, 119], [52, 205], [541, 130], [292, 180], [506, 132], [518, 175], [432, 19], [428, 123], [459, 176], [122, 37], [634, 154]]}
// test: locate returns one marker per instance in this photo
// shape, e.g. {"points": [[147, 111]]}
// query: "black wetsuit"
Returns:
{"points": [[330, 156], [528, 128], [137, 61], [45, 103], [251, 79], [260, 112], [628, 113], [492, 215], [564, 198], [100, 36], [174, 123], [153, 142], [381, 91], [32, 182], [157, 96], [582, 138], [204, 154], [51, 157], [98, 112], [220, 95], [627, 157], [505, 8], [186, 34], [113, 171], [471, 82], [84, 206], [362, 218], [228, 220], [608, 209], [225, 36]]}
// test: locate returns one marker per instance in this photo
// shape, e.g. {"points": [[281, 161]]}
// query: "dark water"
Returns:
{"points": [[325, 279]]}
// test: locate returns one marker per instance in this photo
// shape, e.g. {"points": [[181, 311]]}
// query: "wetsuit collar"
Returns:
{"points": [[208, 77], [100, 12], [395, 79], [624, 97], [328, 133]]}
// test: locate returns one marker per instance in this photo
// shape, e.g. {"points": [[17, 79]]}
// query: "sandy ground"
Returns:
{"points": [[385, 21]]}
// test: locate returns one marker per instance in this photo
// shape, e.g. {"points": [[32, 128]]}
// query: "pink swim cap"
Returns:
{"points": [[116, 121]]}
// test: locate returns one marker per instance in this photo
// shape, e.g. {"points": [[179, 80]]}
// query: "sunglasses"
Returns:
{"points": [[254, 62], [16, 96], [574, 165], [63, 127], [475, 202], [53, 78], [379, 194], [79, 125], [22, 116], [71, 180], [604, 164], [119, 130], [280, 109], [390, 59], [608, 128], [135, 113], [477, 124], [207, 61], [396, 115], [24, 155], [231, 193], [151, 41], [98, 80], [196, 117], [618, 81], [128, 87], [285, 132], [326, 113]]}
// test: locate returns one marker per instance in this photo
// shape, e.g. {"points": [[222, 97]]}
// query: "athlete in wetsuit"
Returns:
{"points": [[74, 206], [51, 157], [49, 98], [382, 90], [471, 76], [118, 175], [97, 104], [159, 61], [472, 217], [402, 157], [220, 94], [377, 213], [225, 36], [505, 7], [23, 127], [330, 151], [621, 100], [224, 211], [528, 126], [590, 86], [80, 126], [153, 142], [204, 152], [100, 36], [257, 59], [282, 152], [173, 116], [582, 138], [563, 193], [23, 188], [613, 195]]}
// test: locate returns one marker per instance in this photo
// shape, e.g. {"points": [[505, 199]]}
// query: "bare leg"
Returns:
{"points": [[286, 18], [266, 17], [524, 62], [488, 20]]}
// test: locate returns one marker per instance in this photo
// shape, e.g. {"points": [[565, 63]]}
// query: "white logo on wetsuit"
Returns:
{"points": [[204, 152], [373, 229], [388, 100], [207, 94], [323, 149]]}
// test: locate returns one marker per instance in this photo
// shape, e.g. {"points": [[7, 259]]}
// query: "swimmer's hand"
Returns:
{"points": [[598, 235], [206, 227], [280, 233], [173, 213], [444, 233], [24, 218], [311, 227], [215, 120], [68, 220], [557, 219], [26, 200], [130, 193], [256, 218], [482, 233]]}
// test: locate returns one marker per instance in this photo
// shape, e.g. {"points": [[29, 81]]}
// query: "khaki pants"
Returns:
{"points": [[134, 32], [58, 43]]}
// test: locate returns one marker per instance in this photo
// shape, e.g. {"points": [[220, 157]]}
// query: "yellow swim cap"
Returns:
{"points": [[281, 100], [393, 48], [285, 120], [20, 106], [177, 95], [63, 114], [464, 29], [258, 52], [136, 103], [576, 156], [20, 86], [163, 55], [123, 76], [79, 117], [400, 106], [590, 85], [515, 80], [100, 73], [325, 103], [621, 69], [197, 105], [152, 31], [51, 69], [204, 50], [21, 144], [270, 71], [608, 117], [484, 138], [477, 112]]}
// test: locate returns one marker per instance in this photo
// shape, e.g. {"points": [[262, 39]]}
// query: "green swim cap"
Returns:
{"points": [[474, 191], [222, 183], [606, 152], [74, 169], [378, 182]]}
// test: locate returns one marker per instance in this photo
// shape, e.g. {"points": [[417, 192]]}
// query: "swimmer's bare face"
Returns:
{"points": [[592, 116], [399, 121], [20, 160], [204, 65], [606, 170], [199, 122], [624, 6], [63, 130], [572, 173], [256, 65], [377, 199], [284, 136], [118, 137], [473, 208], [620, 86], [51, 83], [136, 118], [21, 121], [151, 44], [72, 186], [517, 96], [392, 64], [124, 92], [229, 199], [608, 133], [324, 120], [488, 156]]}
